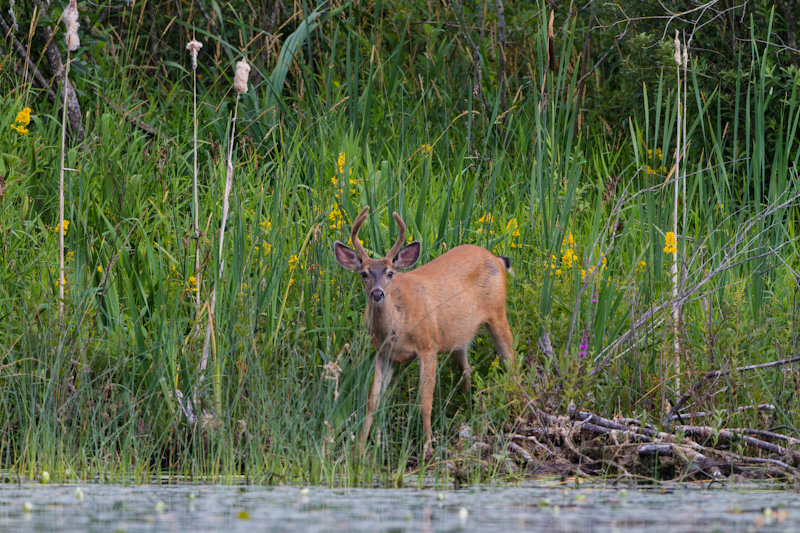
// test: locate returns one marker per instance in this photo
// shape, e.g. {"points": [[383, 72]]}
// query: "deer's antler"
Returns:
{"points": [[401, 237], [362, 216]]}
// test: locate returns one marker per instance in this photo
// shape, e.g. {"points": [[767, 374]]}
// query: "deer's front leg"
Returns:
{"points": [[383, 374], [427, 381]]}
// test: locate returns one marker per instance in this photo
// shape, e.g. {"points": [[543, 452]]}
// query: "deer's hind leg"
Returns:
{"points": [[501, 335], [460, 357]]}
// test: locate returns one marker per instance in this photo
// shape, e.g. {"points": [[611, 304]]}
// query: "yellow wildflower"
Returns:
{"points": [[641, 266], [100, 269], [512, 227], [293, 262], [670, 243], [267, 248], [485, 220], [66, 227], [22, 120], [24, 116], [568, 258], [340, 164], [350, 241], [426, 149], [335, 218], [192, 284], [495, 363], [266, 224], [656, 170]]}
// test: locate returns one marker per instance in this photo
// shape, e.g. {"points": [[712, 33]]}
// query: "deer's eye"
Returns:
{"points": [[389, 274], [364, 275]]}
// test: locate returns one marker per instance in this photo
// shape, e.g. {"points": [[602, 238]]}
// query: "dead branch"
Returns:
{"points": [[713, 375], [605, 445], [727, 436], [53, 55], [702, 414]]}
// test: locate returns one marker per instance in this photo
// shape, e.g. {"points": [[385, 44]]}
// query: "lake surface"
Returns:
{"points": [[483, 508]]}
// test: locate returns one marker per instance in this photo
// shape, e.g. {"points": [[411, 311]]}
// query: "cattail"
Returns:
{"points": [[194, 47], [242, 73], [73, 42], [71, 21], [678, 57], [240, 84]]}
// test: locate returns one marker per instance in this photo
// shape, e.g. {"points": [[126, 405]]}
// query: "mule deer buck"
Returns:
{"points": [[436, 308]]}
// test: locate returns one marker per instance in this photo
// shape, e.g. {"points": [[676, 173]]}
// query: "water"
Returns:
{"points": [[498, 508]]}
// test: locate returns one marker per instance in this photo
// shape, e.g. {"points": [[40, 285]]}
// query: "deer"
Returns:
{"points": [[434, 309]]}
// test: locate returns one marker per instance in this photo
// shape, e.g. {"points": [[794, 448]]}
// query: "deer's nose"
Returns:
{"points": [[376, 295]]}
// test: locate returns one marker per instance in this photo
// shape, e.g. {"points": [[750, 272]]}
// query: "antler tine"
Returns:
{"points": [[401, 237], [362, 216]]}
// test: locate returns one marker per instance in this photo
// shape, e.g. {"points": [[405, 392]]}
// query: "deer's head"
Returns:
{"points": [[377, 274]]}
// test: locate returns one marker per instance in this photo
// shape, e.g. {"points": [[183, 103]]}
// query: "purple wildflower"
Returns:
{"points": [[584, 344]]}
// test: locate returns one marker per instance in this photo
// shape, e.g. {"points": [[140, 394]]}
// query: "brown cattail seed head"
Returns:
{"points": [[71, 22], [194, 47], [240, 80]]}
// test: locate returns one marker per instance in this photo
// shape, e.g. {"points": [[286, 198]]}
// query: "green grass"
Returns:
{"points": [[91, 391]]}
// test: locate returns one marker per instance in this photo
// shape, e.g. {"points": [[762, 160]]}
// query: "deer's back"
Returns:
{"points": [[449, 298]]}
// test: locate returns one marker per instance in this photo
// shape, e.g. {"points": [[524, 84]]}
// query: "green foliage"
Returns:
{"points": [[362, 105]]}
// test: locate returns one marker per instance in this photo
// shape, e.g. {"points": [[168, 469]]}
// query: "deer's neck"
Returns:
{"points": [[380, 320]]}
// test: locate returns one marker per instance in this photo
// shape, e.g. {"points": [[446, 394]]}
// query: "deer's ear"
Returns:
{"points": [[407, 256], [346, 257]]}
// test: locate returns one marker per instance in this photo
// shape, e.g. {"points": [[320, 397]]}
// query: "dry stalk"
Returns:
{"points": [[240, 84], [73, 42], [679, 146], [194, 47]]}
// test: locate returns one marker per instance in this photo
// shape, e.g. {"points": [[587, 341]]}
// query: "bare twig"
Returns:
{"points": [[713, 375]]}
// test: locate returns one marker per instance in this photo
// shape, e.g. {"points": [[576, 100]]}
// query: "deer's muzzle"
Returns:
{"points": [[376, 295]]}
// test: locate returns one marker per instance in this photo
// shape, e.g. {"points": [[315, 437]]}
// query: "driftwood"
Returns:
{"points": [[702, 414], [581, 443]]}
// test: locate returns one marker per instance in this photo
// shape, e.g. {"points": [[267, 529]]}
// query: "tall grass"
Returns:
{"points": [[581, 213]]}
